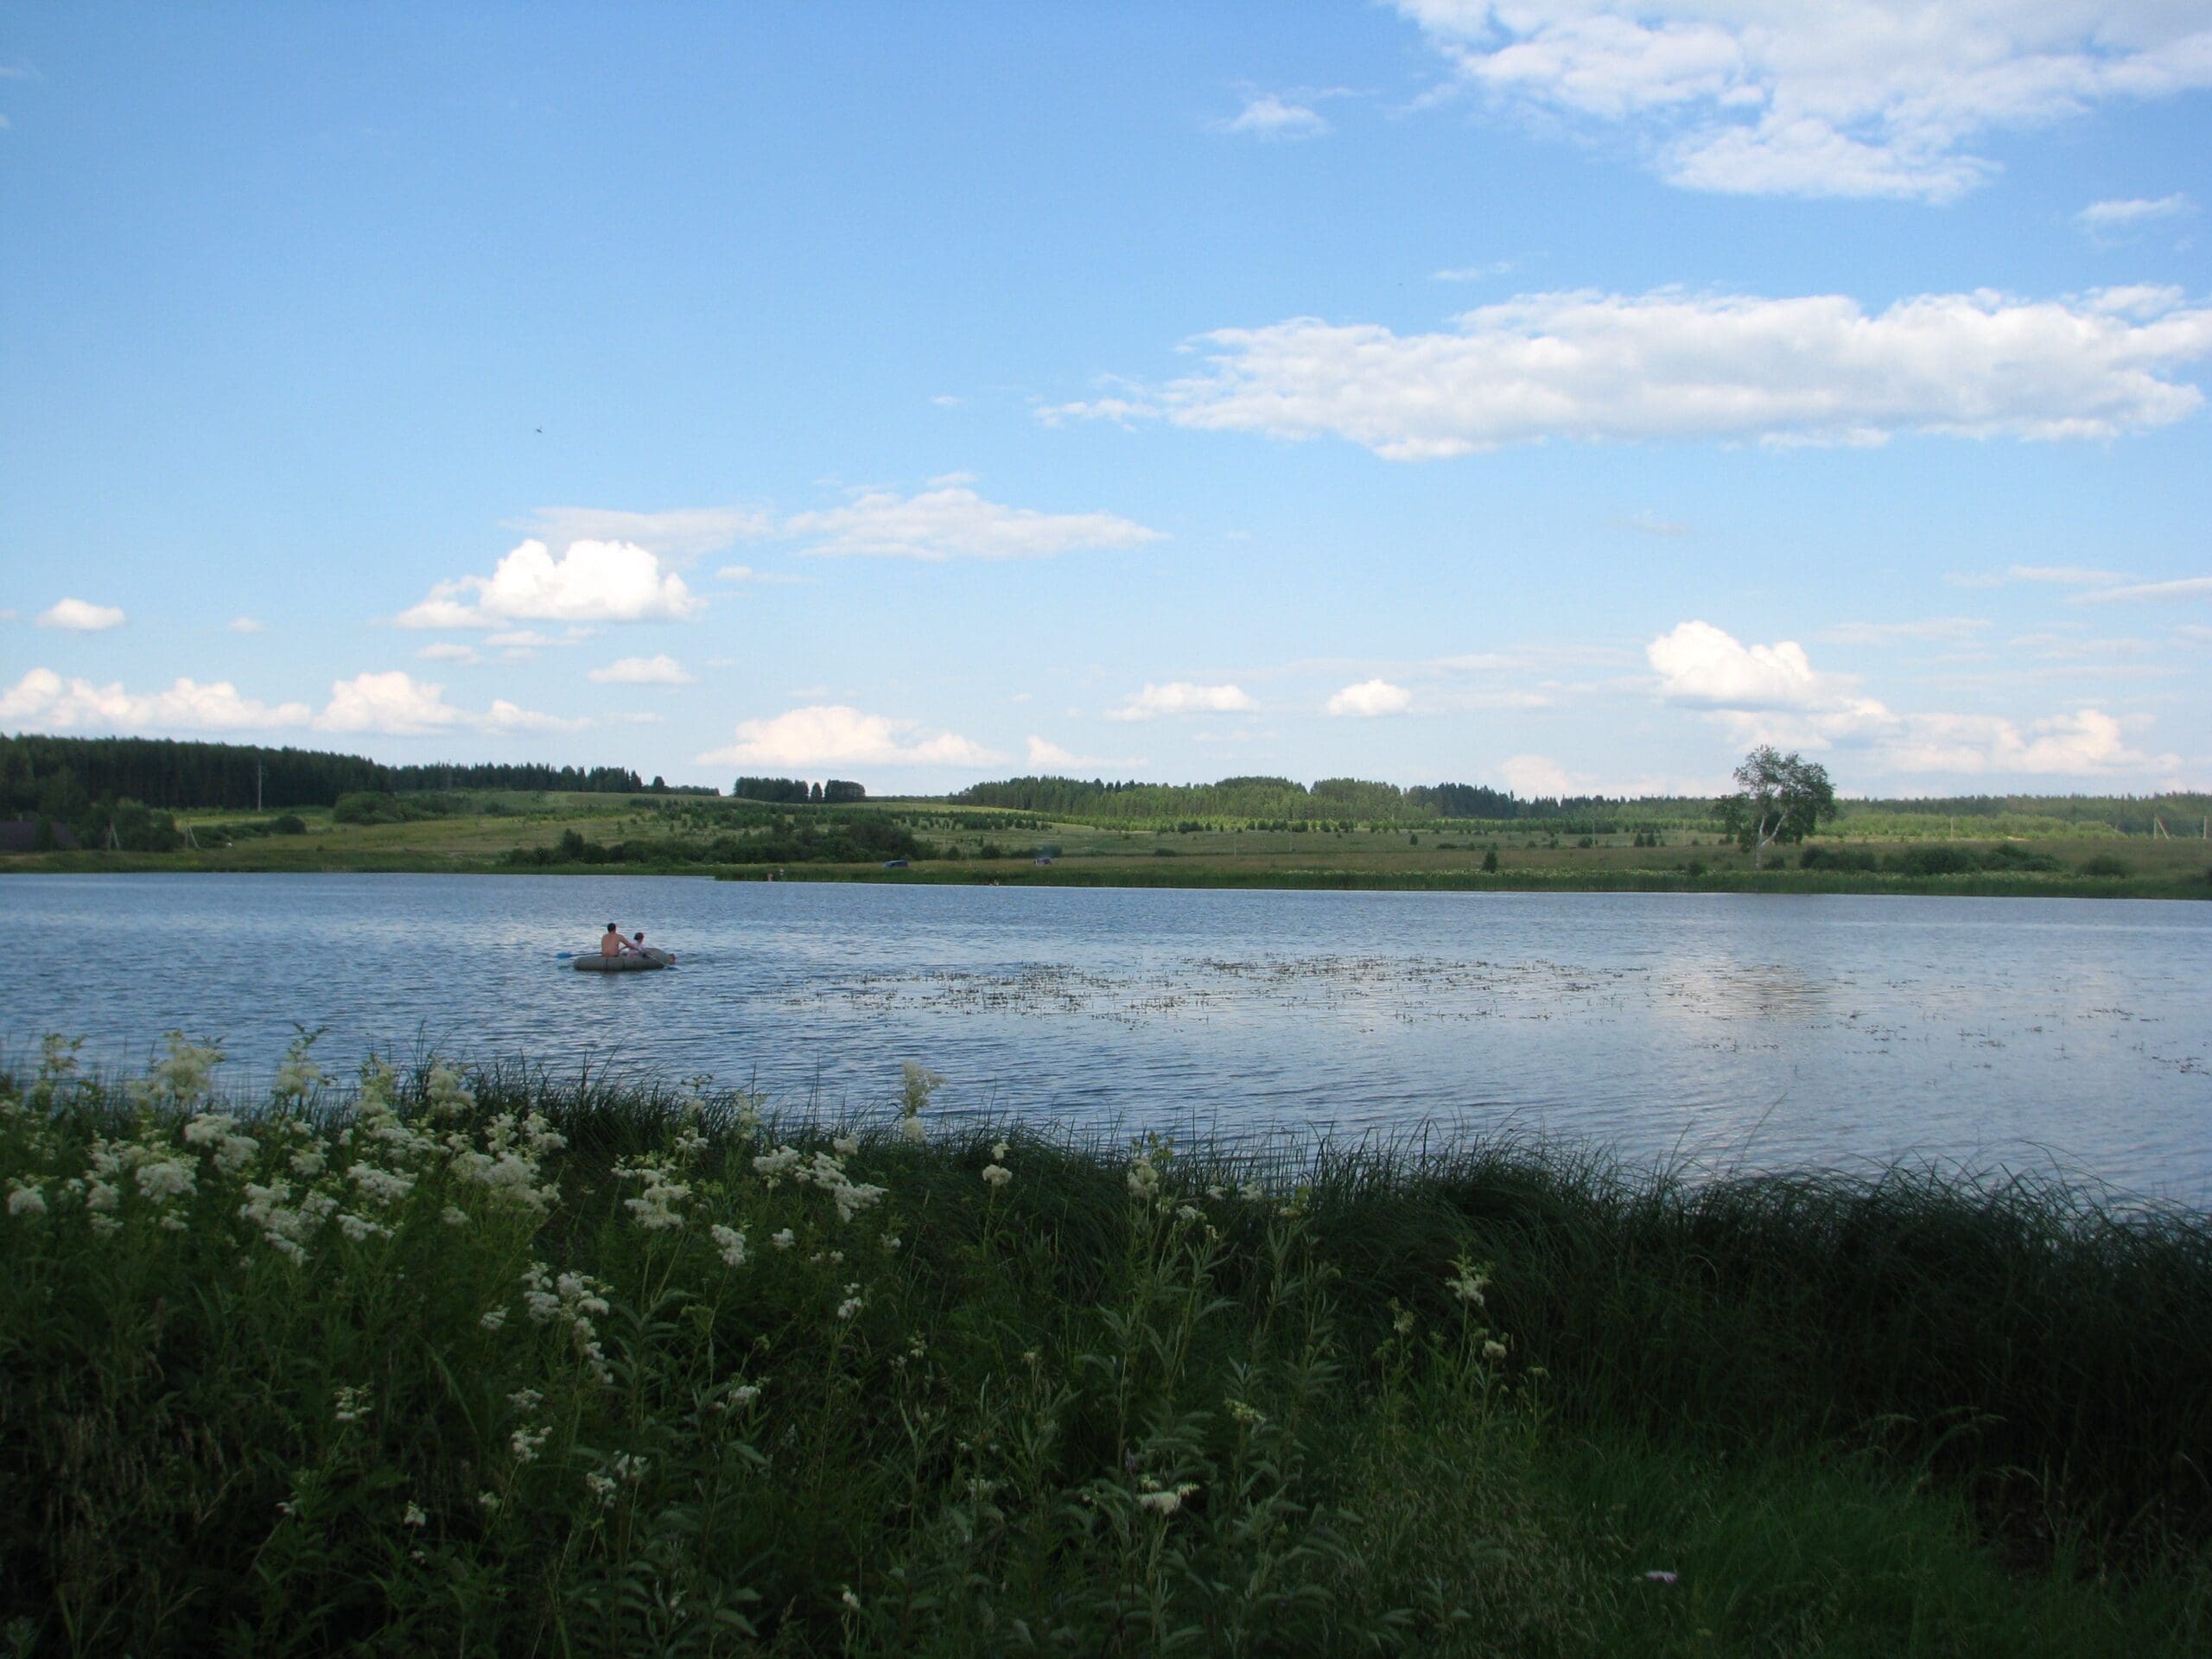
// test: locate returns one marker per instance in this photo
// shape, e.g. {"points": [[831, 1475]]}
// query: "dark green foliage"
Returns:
{"points": [[171, 775], [747, 837]]}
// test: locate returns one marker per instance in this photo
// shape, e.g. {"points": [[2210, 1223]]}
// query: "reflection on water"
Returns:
{"points": [[1769, 1030]]}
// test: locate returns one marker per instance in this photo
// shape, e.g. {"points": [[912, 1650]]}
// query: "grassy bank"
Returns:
{"points": [[488, 1363], [493, 832]]}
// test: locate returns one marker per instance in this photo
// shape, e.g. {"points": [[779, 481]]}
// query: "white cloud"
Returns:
{"points": [[1182, 697], [1771, 694], [1648, 523], [1880, 97], [680, 533], [1268, 114], [1534, 777], [1045, 756], [80, 616], [827, 734], [504, 717], [247, 625], [2151, 592], [592, 581], [448, 651], [1672, 364], [1471, 273], [1370, 698], [954, 521], [2119, 215], [394, 704], [746, 572], [42, 698], [661, 670]]}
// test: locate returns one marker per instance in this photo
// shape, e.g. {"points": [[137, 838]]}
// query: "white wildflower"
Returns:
{"points": [[852, 1304], [454, 1216], [631, 1469], [1469, 1284], [602, 1486], [349, 1405], [24, 1198], [783, 1240], [163, 1179], [446, 1093], [997, 1174], [745, 1394], [488, 1501], [730, 1241], [999, 1151], [525, 1399], [846, 1145], [1493, 1349], [493, 1318], [360, 1228], [414, 1516], [850, 1601], [526, 1441], [307, 1162], [912, 1131]]}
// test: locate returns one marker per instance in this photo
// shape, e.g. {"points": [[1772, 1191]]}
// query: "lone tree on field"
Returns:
{"points": [[1779, 798]]}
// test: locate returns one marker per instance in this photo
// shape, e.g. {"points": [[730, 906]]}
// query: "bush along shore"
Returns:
{"points": [[483, 1363]]}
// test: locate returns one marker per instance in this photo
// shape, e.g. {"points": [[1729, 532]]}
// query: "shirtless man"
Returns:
{"points": [[611, 943]]}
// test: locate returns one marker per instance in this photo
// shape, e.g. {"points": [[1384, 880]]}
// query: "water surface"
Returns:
{"points": [[1761, 1029]]}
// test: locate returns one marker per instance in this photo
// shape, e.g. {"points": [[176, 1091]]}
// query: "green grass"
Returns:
{"points": [[1453, 1400]]}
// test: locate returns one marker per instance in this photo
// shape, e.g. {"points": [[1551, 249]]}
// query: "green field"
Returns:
{"points": [[483, 1363], [489, 831]]}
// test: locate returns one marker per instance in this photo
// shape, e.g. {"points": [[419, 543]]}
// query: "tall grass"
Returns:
{"points": [[487, 1363]]}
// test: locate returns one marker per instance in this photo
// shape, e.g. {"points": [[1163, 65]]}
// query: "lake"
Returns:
{"points": [[1755, 1029]]}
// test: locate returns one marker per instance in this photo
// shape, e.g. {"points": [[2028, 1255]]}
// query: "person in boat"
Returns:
{"points": [[638, 945], [612, 944]]}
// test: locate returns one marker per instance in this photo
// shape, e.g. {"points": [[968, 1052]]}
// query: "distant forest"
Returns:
{"points": [[57, 777]]}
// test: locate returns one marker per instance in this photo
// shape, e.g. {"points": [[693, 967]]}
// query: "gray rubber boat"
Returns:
{"points": [[595, 963]]}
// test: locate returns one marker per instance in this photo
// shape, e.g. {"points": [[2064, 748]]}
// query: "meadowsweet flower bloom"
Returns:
{"points": [[730, 1241], [163, 1179], [852, 1304], [488, 1501], [525, 1399], [1403, 1323], [999, 1150], [102, 1198], [601, 1487], [380, 1187], [1187, 1212], [891, 1241], [912, 1131], [307, 1162], [175, 1224], [631, 1469], [783, 1239], [774, 1165], [1469, 1285], [454, 1216], [745, 1394], [349, 1405], [219, 1132], [997, 1174], [850, 1599], [493, 1318], [1493, 1349], [414, 1516], [360, 1229], [444, 1093], [1164, 1502], [24, 1198], [846, 1145], [526, 1441]]}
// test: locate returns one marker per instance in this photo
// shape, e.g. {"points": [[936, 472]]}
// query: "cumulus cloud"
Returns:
{"points": [[247, 625], [661, 670], [504, 717], [679, 533], [1532, 777], [591, 582], [1672, 364], [826, 734], [1772, 694], [1878, 98], [80, 616], [747, 574], [1270, 115], [448, 651], [2154, 593], [1370, 698], [1182, 697], [42, 698], [394, 704], [953, 522]]}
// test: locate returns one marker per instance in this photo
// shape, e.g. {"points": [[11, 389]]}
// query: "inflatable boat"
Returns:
{"points": [[595, 963]]}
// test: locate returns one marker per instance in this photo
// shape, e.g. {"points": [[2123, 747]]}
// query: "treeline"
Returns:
{"points": [[856, 838], [797, 791], [59, 778], [1330, 800]]}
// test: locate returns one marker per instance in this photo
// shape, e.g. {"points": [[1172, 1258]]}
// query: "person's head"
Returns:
{"points": [[612, 929], [640, 936]]}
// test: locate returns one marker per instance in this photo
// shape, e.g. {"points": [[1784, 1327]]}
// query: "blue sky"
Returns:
{"points": [[1562, 396]]}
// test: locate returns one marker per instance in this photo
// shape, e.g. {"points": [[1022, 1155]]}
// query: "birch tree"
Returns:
{"points": [[1779, 797]]}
